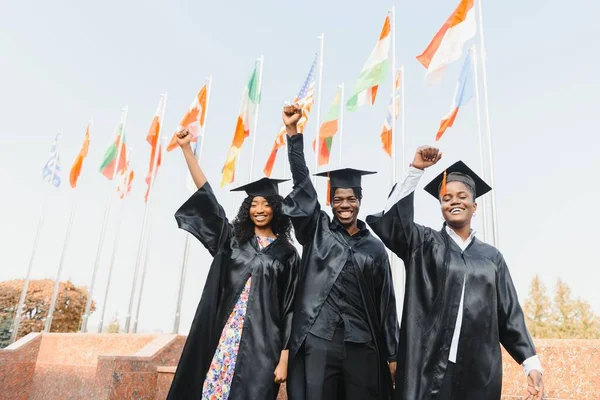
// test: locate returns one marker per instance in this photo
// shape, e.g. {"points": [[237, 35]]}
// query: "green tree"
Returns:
{"points": [[537, 309]]}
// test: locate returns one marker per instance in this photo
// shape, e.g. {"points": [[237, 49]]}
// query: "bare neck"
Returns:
{"points": [[264, 232], [462, 231]]}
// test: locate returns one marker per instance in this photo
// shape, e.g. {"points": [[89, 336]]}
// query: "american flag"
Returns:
{"points": [[305, 99], [51, 171]]}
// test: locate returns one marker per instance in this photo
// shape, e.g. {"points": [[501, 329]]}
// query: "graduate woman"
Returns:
{"points": [[237, 345], [460, 303]]}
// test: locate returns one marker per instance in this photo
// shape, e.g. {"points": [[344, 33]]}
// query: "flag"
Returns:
{"points": [[463, 93], [107, 168], [193, 119], [386, 131], [124, 185], [250, 100], [447, 45], [328, 129], [76, 168], [51, 171], [304, 99], [153, 139], [373, 73]]}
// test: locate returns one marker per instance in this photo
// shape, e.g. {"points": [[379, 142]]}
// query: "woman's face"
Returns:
{"points": [[261, 212], [458, 205]]}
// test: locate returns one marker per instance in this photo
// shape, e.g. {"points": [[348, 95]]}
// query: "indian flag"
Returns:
{"points": [[250, 101], [328, 129], [116, 150], [447, 45], [373, 73]]}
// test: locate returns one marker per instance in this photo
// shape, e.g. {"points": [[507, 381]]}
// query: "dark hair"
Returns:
{"points": [[281, 225], [357, 192]]}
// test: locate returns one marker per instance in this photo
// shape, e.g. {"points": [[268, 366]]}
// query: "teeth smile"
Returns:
{"points": [[455, 211]]}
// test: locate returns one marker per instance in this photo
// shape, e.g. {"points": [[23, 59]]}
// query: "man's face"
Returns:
{"points": [[345, 206]]}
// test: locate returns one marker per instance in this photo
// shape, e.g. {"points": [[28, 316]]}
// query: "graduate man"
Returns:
{"points": [[460, 303], [345, 328]]}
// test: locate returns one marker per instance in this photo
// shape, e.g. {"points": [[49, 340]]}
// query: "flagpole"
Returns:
{"points": [[115, 246], [321, 37], [48, 322], [341, 126], [144, 272], [153, 174], [483, 208], [402, 125], [259, 61], [88, 304], [17, 321], [186, 248], [393, 133], [488, 127]]}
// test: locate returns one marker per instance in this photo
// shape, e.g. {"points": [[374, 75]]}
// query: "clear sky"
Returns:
{"points": [[66, 62]]}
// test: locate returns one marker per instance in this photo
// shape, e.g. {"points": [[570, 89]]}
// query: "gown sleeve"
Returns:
{"points": [[301, 205], [202, 216], [511, 321], [387, 308], [397, 230], [287, 291]]}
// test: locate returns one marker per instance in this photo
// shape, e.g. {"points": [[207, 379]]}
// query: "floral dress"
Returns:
{"points": [[220, 373]]}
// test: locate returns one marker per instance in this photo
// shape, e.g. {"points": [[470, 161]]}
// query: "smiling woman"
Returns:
{"points": [[238, 341], [460, 303]]}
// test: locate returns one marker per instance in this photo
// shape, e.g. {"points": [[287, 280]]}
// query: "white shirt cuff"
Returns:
{"points": [[532, 363], [409, 184]]}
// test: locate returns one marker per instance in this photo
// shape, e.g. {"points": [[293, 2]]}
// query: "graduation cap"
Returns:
{"points": [[343, 178], [263, 187], [457, 172]]}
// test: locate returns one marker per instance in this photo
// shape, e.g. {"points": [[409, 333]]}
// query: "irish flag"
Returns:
{"points": [[464, 92], [76, 168], [250, 101], [193, 118], [373, 73], [447, 45], [117, 150], [386, 131], [328, 129]]}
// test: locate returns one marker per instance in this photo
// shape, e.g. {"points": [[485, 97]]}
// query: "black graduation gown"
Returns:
{"points": [[325, 252], [267, 324], [491, 312]]}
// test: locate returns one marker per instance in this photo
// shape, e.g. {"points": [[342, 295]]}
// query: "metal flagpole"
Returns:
{"points": [[483, 205], [341, 122], [17, 321], [144, 271], [115, 246], [259, 61], [402, 135], [186, 251], [321, 37], [48, 323], [145, 223], [488, 128], [88, 304], [393, 32]]}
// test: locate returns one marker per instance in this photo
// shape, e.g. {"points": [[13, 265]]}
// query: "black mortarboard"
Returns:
{"points": [[461, 173], [345, 177], [262, 187]]}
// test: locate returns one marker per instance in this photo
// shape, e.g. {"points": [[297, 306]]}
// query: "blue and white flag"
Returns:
{"points": [[51, 170]]}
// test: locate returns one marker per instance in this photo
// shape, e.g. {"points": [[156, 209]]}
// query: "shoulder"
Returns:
{"points": [[488, 251], [375, 245]]}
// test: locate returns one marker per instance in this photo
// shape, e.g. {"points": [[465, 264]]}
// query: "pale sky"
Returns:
{"points": [[64, 63]]}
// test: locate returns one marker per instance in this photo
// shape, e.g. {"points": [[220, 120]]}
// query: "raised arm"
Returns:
{"points": [[395, 226], [301, 205], [202, 215]]}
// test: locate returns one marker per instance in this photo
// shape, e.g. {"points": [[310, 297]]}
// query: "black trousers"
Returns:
{"points": [[338, 370], [446, 389]]}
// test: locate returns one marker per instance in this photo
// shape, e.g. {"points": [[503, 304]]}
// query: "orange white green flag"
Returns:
{"points": [[78, 164], [193, 118], [328, 129], [386, 131], [116, 150], [250, 102], [374, 71], [447, 45]]}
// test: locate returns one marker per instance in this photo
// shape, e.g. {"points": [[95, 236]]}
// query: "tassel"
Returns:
{"points": [[443, 188], [328, 201]]}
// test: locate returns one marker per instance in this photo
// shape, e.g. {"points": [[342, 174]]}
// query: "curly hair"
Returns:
{"points": [[281, 225]]}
